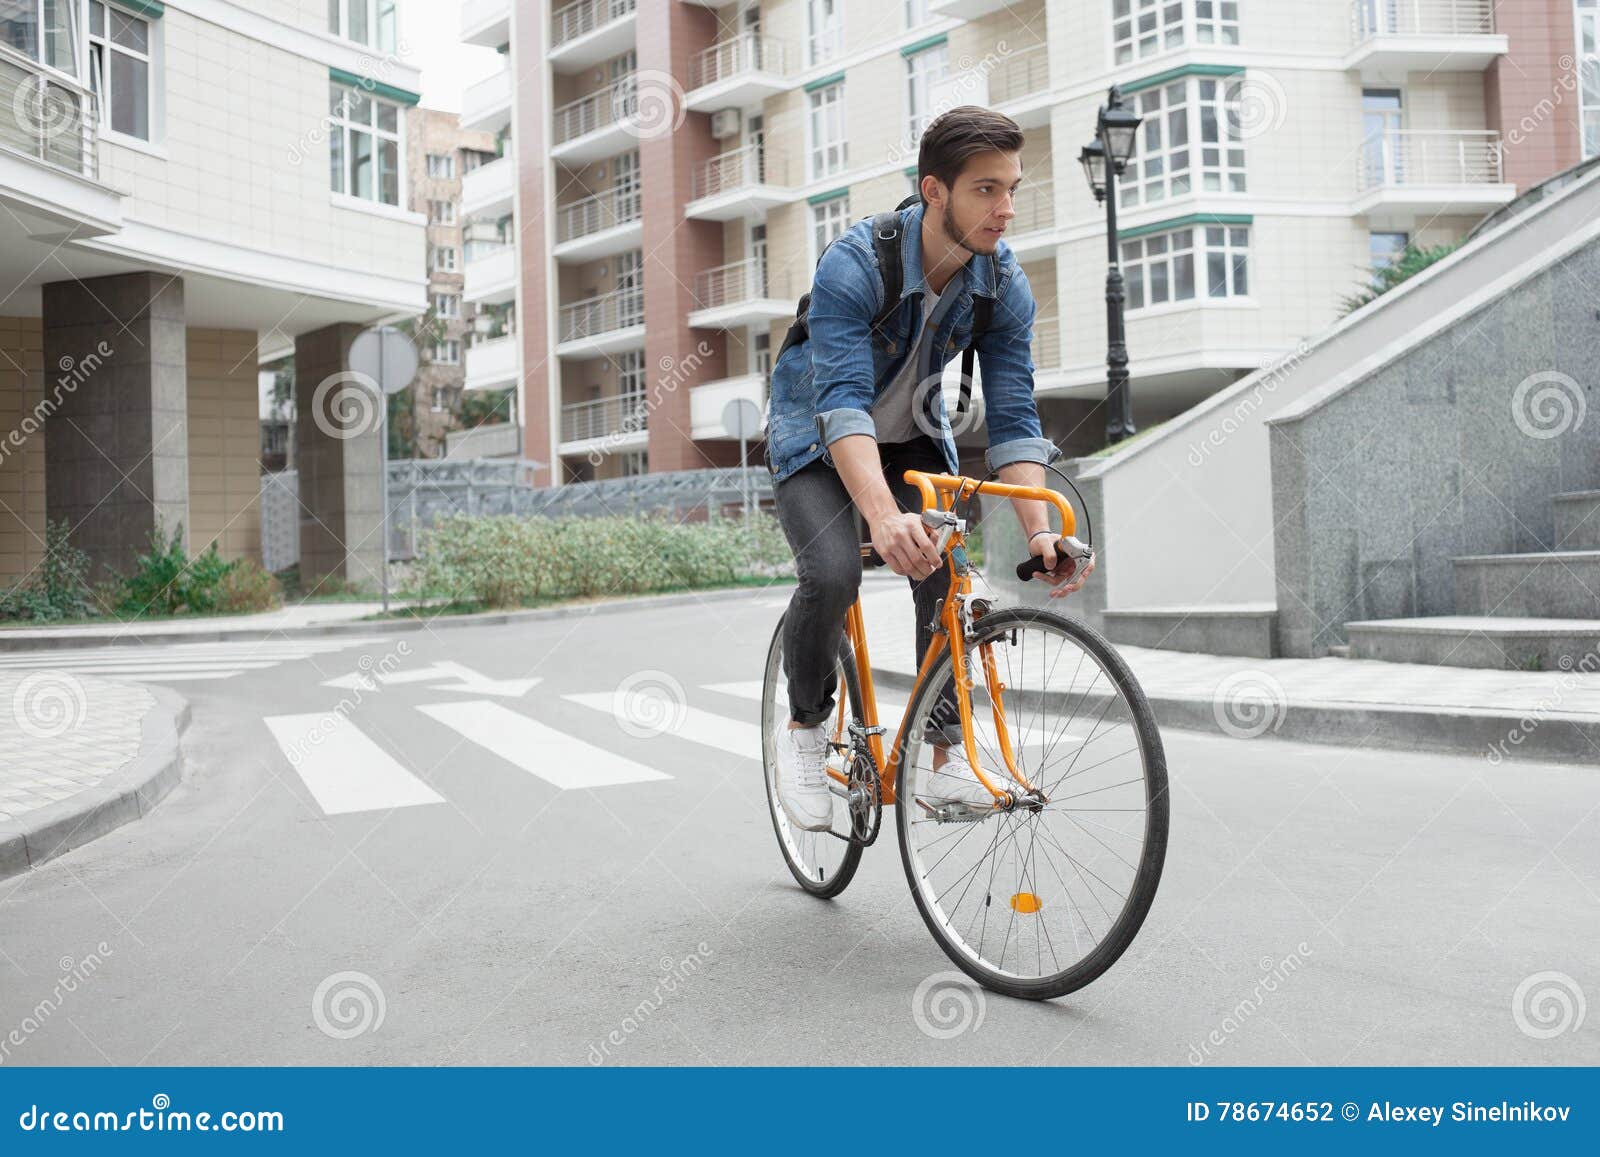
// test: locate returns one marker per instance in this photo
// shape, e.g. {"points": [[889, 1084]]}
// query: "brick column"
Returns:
{"points": [[675, 248], [336, 428], [530, 113], [116, 450], [1531, 95]]}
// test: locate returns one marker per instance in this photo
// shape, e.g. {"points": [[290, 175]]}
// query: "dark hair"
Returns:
{"points": [[957, 136]]}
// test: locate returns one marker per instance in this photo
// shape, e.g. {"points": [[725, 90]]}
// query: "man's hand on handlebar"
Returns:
{"points": [[1063, 574], [905, 544]]}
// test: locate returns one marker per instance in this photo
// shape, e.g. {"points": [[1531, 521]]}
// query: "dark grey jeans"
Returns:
{"points": [[823, 529]]}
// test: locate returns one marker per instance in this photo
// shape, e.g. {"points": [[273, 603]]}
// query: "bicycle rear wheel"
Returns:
{"points": [[822, 863], [1038, 901]]}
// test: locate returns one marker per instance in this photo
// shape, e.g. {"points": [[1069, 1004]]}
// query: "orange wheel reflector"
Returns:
{"points": [[1026, 903]]}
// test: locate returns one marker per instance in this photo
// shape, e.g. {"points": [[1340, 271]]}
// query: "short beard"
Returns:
{"points": [[955, 237]]}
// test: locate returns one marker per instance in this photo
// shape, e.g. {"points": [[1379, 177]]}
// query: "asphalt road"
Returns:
{"points": [[465, 869]]}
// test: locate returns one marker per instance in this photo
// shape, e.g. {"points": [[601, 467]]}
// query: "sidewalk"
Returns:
{"points": [[79, 755], [204, 628], [1527, 715]]}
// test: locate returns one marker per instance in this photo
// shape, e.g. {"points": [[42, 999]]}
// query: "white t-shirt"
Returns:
{"points": [[894, 412]]}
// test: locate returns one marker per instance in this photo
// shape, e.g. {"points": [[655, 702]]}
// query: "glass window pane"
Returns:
{"points": [[58, 34], [1136, 287], [1217, 274], [361, 165], [1159, 289], [336, 100], [1241, 276], [97, 18], [129, 32], [1183, 277], [336, 158], [357, 13], [1214, 236], [1157, 244], [19, 27], [130, 95], [388, 116], [389, 172], [386, 26]]}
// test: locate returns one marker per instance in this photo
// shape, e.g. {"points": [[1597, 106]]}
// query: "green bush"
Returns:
{"points": [[58, 588], [246, 587], [503, 560], [165, 581]]}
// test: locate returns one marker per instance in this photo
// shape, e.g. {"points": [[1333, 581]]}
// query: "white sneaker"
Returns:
{"points": [[956, 780], [803, 777]]}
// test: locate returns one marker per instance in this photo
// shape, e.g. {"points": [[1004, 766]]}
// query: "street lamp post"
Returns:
{"points": [[1104, 159]]}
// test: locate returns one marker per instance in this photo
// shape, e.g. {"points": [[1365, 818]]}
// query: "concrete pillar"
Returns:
{"points": [[117, 449], [337, 429]]}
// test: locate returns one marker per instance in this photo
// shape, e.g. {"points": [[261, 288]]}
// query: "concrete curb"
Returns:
{"points": [[1554, 738], [127, 794], [131, 638]]}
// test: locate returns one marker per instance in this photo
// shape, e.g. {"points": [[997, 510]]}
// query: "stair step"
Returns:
{"points": [[1563, 584], [1494, 642], [1578, 520], [1248, 629]]}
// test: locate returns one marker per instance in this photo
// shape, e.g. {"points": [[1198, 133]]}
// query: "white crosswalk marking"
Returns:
{"points": [[730, 735], [562, 760], [178, 662], [343, 768]]}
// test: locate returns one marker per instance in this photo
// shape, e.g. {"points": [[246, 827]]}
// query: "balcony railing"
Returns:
{"points": [[1400, 159], [1046, 343], [738, 281], [604, 417], [574, 20], [597, 213], [1019, 74], [1035, 208], [738, 169], [1370, 18], [593, 316], [747, 53], [605, 106], [48, 118]]}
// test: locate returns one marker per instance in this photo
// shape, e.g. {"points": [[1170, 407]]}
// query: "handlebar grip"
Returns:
{"points": [[1035, 565]]}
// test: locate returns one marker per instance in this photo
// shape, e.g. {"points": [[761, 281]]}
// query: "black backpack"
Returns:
{"points": [[886, 243]]}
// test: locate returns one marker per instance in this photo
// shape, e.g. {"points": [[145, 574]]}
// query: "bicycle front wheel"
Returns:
{"points": [[1038, 901]]}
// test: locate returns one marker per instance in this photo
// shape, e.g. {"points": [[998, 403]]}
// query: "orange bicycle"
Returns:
{"points": [[1035, 878]]}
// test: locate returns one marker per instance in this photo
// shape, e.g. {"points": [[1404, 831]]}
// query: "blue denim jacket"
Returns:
{"points": [[823, 388]]}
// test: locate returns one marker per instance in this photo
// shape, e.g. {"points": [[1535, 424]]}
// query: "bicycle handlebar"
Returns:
{"points": [[1067, 548]]}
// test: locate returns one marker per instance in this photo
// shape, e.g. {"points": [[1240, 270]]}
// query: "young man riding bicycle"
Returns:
{"points": [[856, 402]]}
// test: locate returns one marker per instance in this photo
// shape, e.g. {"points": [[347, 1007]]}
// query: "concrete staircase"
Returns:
{"points": [[1531, 611]]}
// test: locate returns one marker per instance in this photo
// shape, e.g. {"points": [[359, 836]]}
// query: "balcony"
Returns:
{"points": [[1393, 37], [607, 324], [1046, 343], [739, 294], [598, 125], [1403, 174], [486, 22], [486, 105], [588, 32], [598, 226], [1031, 232], [620, 422], [488, 192], [1019, 85], [739, 73], [706, 403], [742, 182], [493, 364], [966, 9], [49, 154], [491, 279], [498, 440]]}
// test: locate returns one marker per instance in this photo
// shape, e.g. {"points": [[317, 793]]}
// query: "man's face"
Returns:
{"points": [[978, 208]]}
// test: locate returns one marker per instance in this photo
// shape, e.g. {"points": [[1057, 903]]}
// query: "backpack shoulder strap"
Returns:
{"points": [[982, 317], [886, 233]]}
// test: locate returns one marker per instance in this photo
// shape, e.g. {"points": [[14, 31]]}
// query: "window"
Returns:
{"points": [[42, 30], [1179, 265], [444, 259], [1191, 133], [447, 352], [825, 127], [630, 374], [119, 69], [630, 288], [447, 305], [824, 29], [635, 462], [1216, 21], [828, 219], [442, 165], [1141, 28], [364, 145], [1385, 248], [369, 22], [1382, 117], [925, 70], [1589, 73], [441, 212], [441, 399], [916, 12]]}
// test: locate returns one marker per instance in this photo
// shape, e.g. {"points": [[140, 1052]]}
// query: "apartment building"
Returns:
{"points": [[441, 154], [191, 188], [685, 162]]}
